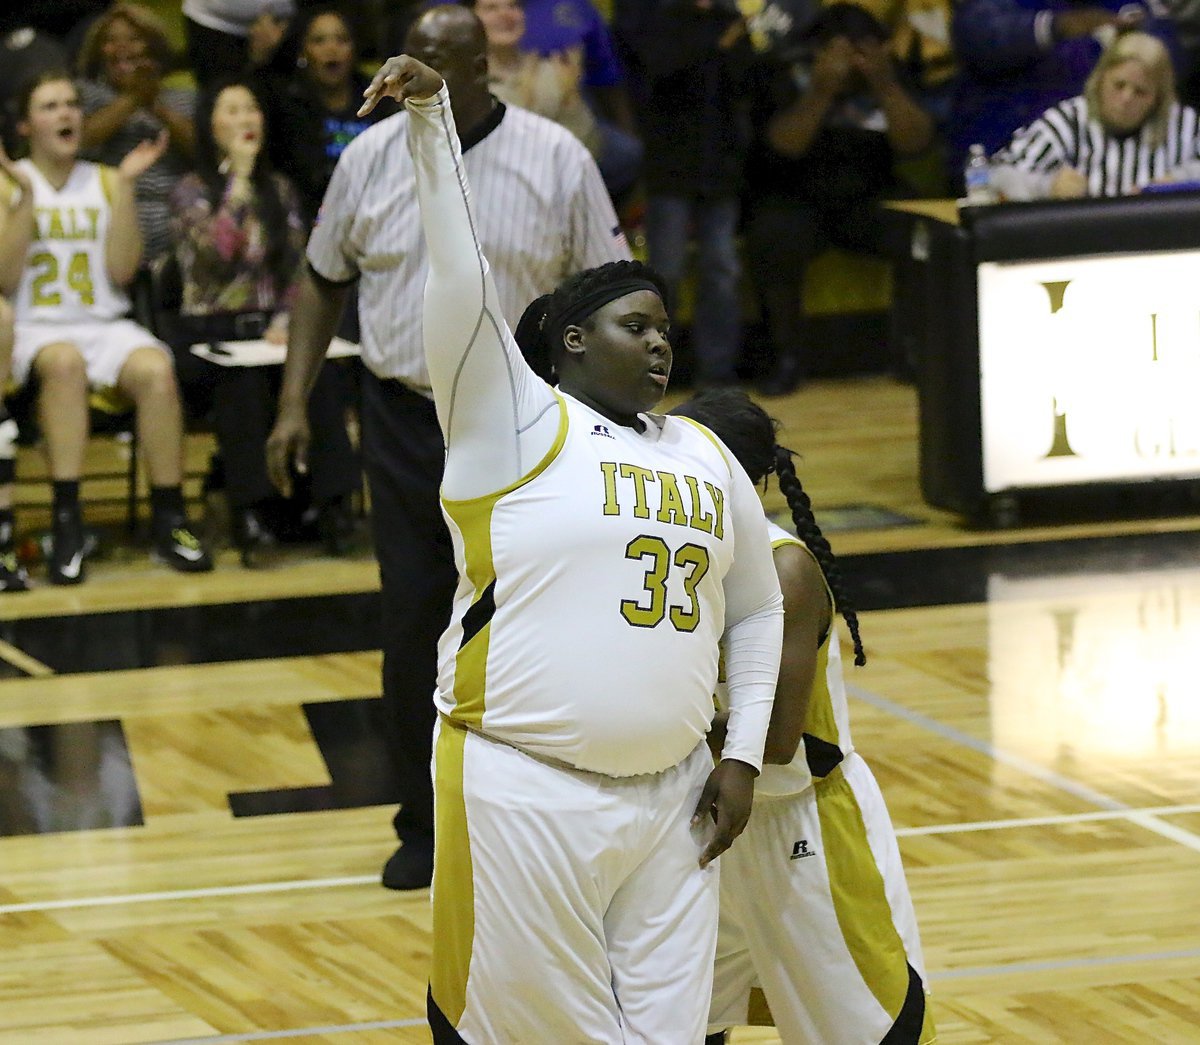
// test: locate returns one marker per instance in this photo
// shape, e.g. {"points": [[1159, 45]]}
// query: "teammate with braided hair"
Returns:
{"points": [[814, 906]]}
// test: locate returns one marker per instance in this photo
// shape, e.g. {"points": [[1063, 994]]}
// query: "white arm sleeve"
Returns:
{"points": [[753, 625], [498, 417]]}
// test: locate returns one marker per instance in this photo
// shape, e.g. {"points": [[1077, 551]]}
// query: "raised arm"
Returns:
{"points": [[498, 417], [123, 252]]}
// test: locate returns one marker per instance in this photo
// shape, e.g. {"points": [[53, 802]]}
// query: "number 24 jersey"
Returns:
{"points": [[65, 279]]}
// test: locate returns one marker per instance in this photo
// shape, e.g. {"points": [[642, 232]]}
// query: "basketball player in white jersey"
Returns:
{"points": [[814, 905], [574, 889], [69, 243]]}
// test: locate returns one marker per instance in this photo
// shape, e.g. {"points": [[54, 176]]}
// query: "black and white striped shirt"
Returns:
{"points": [[1066, 135], [542, 209]]}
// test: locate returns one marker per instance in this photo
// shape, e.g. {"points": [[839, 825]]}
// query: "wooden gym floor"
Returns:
{"points": [[194, 805]]}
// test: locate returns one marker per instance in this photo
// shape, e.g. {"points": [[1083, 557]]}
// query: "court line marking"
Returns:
{"points": [[251, 888], [247, 889], [1060, 964], [1053, 820], [22, 661], [296, 1032], [1024, 765]]}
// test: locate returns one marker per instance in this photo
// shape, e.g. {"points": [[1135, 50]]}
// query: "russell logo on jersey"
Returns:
{"points": [[800, 850]]}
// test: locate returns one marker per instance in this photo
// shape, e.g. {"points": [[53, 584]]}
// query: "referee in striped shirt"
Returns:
{"points": [[1126, 131], [543, 214]]}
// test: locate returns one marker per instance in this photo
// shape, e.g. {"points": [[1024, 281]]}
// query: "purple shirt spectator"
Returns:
{"points": [[1017, 59], [555, 25]]}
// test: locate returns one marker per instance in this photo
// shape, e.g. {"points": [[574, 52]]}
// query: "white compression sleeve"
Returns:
{"points": [[753, 625], [498, 417]]}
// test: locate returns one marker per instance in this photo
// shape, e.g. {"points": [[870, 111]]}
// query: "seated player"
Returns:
{"points": [[69, 243]]}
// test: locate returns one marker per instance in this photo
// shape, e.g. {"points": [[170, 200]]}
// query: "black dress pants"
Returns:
{"points": [[404, 455]]}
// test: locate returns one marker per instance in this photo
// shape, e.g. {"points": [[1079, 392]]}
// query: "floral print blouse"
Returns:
{"points": [[222, 250]]}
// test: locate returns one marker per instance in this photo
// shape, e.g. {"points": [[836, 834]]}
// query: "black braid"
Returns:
{"points": [[749, 432], [538, 319], [810, 533]]}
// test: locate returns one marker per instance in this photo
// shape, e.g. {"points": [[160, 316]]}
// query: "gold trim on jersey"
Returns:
{"points": [[860, 898], [453, 885], [711, 438], [473, 517], [108, 182], [555, 449]]}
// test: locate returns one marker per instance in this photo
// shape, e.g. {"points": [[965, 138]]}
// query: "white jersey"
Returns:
{"points": [[65, 279], [617, 541], [600, 563]]}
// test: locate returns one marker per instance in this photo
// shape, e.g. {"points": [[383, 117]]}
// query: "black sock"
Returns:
{"points": [[166, 505], [66, 495], [8, 470]]}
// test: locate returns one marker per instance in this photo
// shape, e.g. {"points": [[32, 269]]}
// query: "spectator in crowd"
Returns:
{"points": [[69, 244], [62, 21], [830, 130], [564, 30], [1125, 131], [124, 58], [921, 46], [313, 105], [1018, 57], [226, 36], [549, 85], [240, 239], [694, 58], [25, 52]]}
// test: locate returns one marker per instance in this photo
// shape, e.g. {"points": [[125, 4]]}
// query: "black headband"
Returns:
{"points": [[589, 303]]}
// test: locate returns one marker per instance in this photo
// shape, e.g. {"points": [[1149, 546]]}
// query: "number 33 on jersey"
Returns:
{"points": [[598, 576]]}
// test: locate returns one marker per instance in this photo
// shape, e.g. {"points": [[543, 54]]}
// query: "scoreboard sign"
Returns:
{"points": [[1089, 369]]}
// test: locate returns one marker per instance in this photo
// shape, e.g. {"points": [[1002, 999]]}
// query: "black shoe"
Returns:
{"points": [[410, 866], [176, 546], [12, 574], [68, 549], [335, 523], [251, 536]]}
